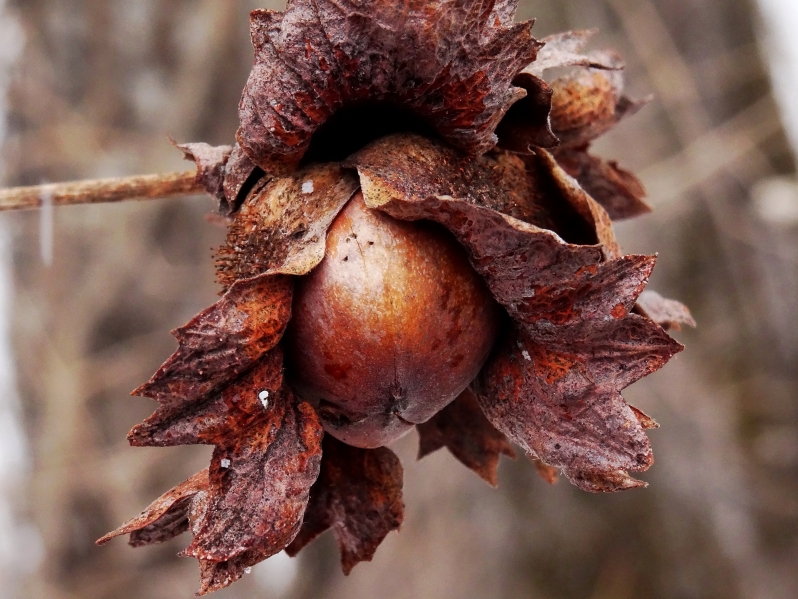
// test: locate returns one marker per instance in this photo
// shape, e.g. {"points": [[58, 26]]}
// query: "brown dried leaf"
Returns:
{"points": [[604, 482], [565, 50], [165, 518], [260, 479], [215, 576], [587, 104], [554, 388], [527, 124], [451, 63], [283, 227], [210, 161], [561, 401], [240, 175], [215, 418], [646, 421], [542, 195], [667, 313], [589, 211], [224, 340], [579, 102], [617, 190], [359, 496], [464, 430], [224, 171], [548, 473]]}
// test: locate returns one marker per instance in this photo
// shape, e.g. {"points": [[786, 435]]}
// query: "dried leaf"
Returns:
{"points": [[529, 270], [582, 105], [554, 388], [588, 102], [223, 340], [527, 124], [240, 175], [260, 479], [165, 518], [565, 50], [451, 63], [603, 482], [646, 421], [617, 190], [210, 161], [542, 195], [224, 171], [574, 110], [589, 211], [464, 430], [283, 227], [359, 496], [548, 473], [215, 418], [561, 400], [667, 313]]}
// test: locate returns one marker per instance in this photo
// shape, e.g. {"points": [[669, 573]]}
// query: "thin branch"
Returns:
{"points": [[143, 187]]}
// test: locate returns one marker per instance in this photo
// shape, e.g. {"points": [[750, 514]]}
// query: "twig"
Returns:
{"points": [[143, 187]]}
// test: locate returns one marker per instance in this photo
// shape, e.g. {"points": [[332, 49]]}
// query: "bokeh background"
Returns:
{"points": [[91, 88]]}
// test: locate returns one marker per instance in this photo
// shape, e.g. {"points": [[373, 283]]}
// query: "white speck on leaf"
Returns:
{"points": [[225, 463], [263, 396], [526, 356], [307, 187]]}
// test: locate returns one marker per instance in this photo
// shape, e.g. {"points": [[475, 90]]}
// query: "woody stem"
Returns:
{"points": [[98, 191]]}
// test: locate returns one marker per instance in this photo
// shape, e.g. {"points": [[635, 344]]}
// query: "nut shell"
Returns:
{"points": [[390, 328]]}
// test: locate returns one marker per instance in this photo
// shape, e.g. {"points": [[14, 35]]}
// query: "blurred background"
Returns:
{"points": [[91, 88]]}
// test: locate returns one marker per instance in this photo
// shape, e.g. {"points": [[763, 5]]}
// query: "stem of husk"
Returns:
{"points": [[99, 191]]}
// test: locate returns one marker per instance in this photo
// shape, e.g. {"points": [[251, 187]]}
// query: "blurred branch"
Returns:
{"points": [[716, 150], [99, 191]]}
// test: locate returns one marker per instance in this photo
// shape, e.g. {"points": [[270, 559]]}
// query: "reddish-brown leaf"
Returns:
{"points": [[463, 429], [542, 195], [219, 416], [590, 212], [667, 313], [418, 167], [554, 388], [527, 124], [588, 102], [224, 340], [617, 190], [573, 111], [165, 518], [240, 175], [210, 161], [449, 62], [561, 401], [359, 496], [283, 227], [585, 105], [260, 478], [223, 170], [566, 50], [548, 473], [215, 576]]}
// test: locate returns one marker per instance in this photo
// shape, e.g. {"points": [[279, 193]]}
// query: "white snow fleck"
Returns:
{"points": [[307, 187], [263, 396], [225, 463], [526, 356], [248, 570]]}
